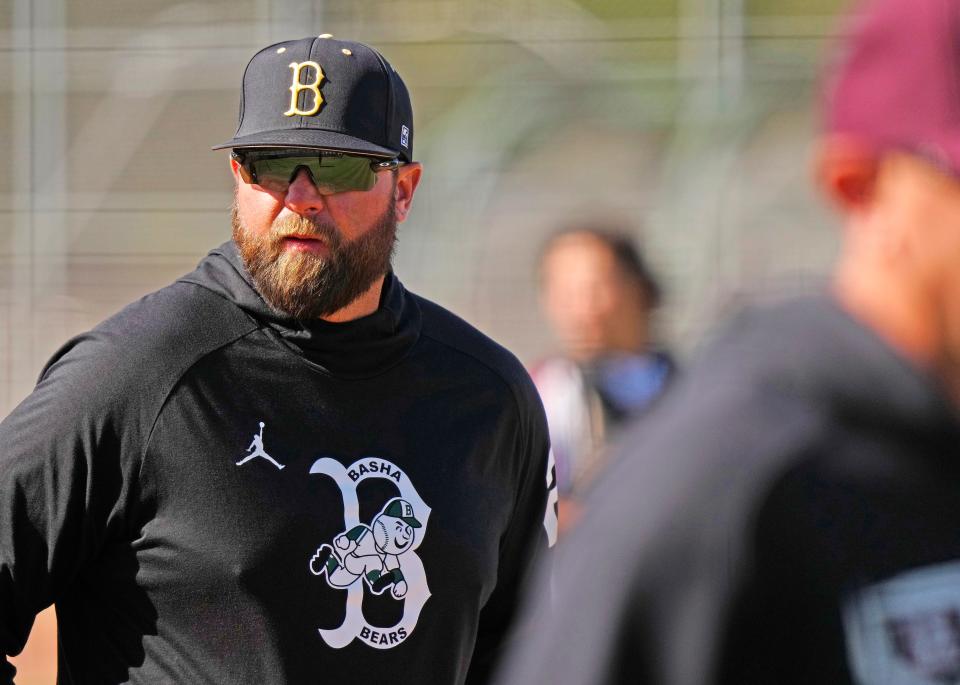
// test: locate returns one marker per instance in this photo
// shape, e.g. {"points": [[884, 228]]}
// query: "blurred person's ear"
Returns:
{"points": [[846, 171]]}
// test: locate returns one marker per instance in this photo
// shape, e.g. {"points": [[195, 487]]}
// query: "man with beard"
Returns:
{"points": [[169, 482]]}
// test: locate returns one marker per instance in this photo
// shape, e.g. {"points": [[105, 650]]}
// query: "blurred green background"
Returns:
{"points": [[690, 121]]}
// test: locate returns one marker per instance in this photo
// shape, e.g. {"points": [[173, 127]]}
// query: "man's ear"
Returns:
{"points": [[234, 168], [846, 170], [408, 177]]}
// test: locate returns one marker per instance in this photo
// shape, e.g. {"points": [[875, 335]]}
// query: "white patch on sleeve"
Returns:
{"points": [[550, 521], [906, 630]]}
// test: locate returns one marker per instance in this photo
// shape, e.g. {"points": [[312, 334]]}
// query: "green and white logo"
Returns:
{"points": [[379, 555]]}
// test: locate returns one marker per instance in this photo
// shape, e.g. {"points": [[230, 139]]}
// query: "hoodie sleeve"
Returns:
{"points": [[67, 468], [532, 530]]}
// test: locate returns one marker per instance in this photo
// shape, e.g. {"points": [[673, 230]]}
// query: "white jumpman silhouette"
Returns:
{"points": [[256, 450]]}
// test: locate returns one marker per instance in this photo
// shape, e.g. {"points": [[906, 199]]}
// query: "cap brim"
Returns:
{"points": [[309, 138], [412, 522]]}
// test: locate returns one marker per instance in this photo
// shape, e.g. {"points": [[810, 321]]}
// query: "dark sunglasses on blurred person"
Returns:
{"points": [[332, 172]]}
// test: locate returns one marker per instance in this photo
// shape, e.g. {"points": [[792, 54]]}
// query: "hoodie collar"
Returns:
{"points": [[360, 348]]}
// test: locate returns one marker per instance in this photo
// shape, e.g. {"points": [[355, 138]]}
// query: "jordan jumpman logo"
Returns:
{"points": [[256, 450]]}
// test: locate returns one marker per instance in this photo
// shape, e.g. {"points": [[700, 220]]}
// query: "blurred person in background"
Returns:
{"points": [[788, 514], [284, 467], [598, 295]]}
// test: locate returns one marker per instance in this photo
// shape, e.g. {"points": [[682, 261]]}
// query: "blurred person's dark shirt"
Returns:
{"points": [[786, 515]]}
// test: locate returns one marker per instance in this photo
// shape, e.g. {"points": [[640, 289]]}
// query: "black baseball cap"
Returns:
{"points": [[323, 93]]}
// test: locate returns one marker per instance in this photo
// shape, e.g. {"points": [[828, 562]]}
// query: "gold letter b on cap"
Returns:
{"points": [[296, 88]]}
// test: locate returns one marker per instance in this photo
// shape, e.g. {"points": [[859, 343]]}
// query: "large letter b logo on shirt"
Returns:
{"points": [[379, 555]]}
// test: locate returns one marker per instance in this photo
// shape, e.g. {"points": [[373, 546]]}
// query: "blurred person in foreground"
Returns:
{"points": [[284, 467], [789, 513], [598, 295]]}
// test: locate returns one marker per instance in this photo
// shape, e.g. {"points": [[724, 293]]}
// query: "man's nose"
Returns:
{"points": [[302, 196]]}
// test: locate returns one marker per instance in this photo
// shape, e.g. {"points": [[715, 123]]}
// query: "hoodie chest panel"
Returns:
{"points": [[260, 465]]}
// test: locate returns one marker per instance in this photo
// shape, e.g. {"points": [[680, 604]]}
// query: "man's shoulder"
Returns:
{"points": [[181, 312], [753, 407], [733, 417], [155, 338], [738, 415], [460, 338], [116, 377], [760, 380], [688, 476]]}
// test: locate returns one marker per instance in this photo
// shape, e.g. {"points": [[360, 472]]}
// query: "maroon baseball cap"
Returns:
{"points": [[897, 83]]}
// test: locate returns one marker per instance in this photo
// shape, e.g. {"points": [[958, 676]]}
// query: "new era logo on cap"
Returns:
{"points": [[320, 92]]}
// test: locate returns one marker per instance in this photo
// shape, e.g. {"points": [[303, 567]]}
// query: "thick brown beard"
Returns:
{"points": [[304, 285]]}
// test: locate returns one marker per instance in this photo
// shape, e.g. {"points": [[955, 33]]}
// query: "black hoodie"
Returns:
{"points": [[210, 492], [788, 514]]}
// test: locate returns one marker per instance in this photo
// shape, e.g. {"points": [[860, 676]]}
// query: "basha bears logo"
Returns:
{"points": [[379, 555]]}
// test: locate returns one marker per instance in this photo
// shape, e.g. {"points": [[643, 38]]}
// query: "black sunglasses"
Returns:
{"points": [[331, 171]]}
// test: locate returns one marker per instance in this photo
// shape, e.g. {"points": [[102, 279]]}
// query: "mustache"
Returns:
{"points": [[304, 226]]}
